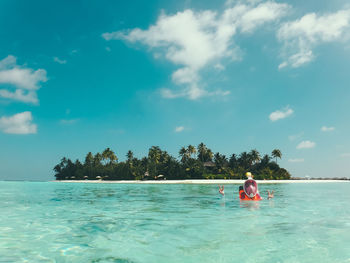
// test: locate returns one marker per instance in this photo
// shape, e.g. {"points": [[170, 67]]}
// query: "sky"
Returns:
{"points": [[80, 76]]}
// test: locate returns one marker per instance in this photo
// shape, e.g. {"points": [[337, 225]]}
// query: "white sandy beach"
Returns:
{"points": [[204, 181]]}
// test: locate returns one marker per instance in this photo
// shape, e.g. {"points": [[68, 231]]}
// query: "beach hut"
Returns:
{"points": [[98, 177], [209, 164], [146, 176]]}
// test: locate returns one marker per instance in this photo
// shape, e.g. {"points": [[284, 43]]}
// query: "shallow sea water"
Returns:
{"points": [[129, 223]]}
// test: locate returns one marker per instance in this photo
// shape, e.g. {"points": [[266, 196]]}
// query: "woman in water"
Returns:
{"points": [[253, 188]]}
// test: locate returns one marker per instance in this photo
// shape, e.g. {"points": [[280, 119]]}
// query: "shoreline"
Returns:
{"points": [[200, 181]]}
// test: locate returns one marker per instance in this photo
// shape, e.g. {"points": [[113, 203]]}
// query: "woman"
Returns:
{"points": [[249, 190]]}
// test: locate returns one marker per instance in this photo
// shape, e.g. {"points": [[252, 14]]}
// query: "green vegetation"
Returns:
{"points": [[194, 163]]}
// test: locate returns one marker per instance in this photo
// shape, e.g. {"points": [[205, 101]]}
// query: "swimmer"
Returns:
{"points": [[250, 187]]}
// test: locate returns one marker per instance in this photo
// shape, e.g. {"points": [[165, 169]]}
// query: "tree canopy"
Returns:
{"points": [[160, 164]]}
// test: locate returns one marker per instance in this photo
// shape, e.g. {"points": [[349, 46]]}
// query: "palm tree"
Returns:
{"points": [[129, 156], [209, 155], [154, 153], [89, 159], [89, 162], [154, 156], [244, 160], [276, 153], [130, 165], [97, 159], [109, 155], [204, 154], [233, 161], [220, 160], [191, 150], [265, 160], [183, 154], [201, 149], [255, 156], [58, 170]]}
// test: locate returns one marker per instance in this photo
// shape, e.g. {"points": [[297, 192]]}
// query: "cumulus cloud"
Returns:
{"points": [[20, 95], [20, 123], [195, 40], [327, 129], [301, 36], [179, 129], [22, 83], [306, 145], [296, 160], [281, 114]]}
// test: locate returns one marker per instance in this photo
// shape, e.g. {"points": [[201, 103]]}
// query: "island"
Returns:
{"points": [[193, 163]]}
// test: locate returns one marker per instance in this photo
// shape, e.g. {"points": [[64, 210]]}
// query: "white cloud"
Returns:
{"points": [[306, 145], [23, 78], [20, 123], [20, 94], [302, 35], [179, 129], [327, 129], [296, 160], [24, 81], [7, 62], [250, 18], [194, 40], [282, 65], [59, 61], [281, 114], [192, 92]]}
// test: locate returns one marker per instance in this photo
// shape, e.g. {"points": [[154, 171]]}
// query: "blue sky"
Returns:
{"points": [[79, 76]]}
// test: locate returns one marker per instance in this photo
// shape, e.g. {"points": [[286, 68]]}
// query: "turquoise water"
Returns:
{"points": [[62, 222]]}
